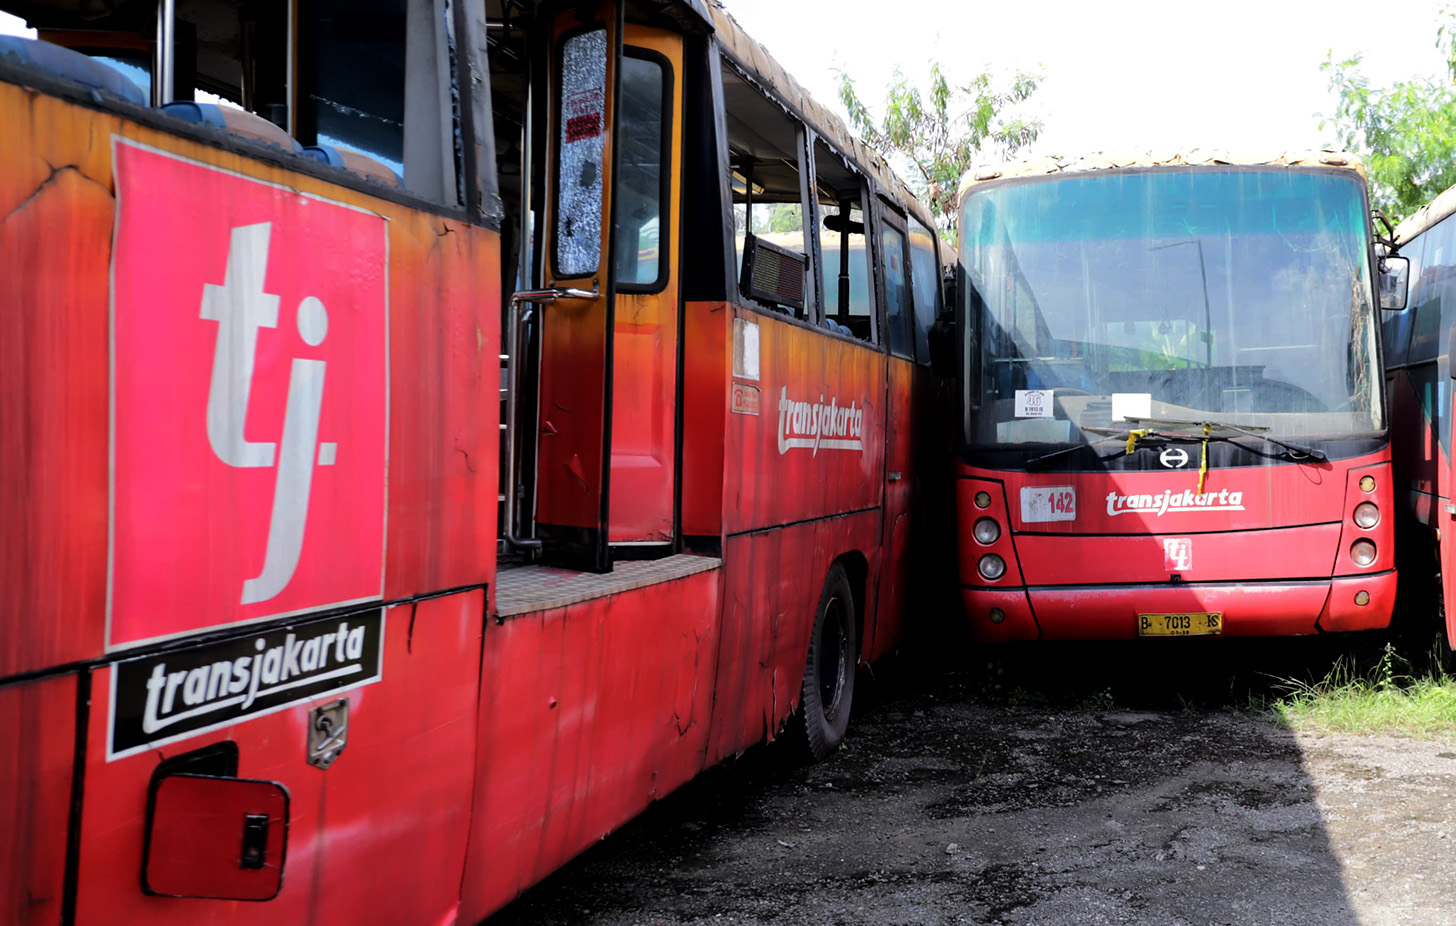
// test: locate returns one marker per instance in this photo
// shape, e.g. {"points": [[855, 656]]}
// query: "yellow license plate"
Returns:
{"points": [[1187, 624]]}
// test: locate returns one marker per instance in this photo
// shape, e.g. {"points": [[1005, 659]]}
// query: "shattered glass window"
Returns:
{"points": [[581, 119]]}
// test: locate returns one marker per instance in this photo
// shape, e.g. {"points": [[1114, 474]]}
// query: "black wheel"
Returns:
{"points": [[828, 688]]}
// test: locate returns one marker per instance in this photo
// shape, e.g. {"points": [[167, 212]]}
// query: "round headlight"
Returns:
{"points": [[1361, 551], [1362, 598], [1367, 483], [983, 499], [994, 567], [987, 531], [1367, 515], [997, 615]]}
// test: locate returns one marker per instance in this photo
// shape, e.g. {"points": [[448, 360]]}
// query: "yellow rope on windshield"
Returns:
{"points": [[1203, 467], [1132, 438]]}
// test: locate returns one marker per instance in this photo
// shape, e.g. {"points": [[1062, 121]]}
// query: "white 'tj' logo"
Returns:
{"points": [[240, 307]]}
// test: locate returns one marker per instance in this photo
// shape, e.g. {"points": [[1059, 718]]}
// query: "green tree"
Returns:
{"points": [[1405, 133], [943, 131]]}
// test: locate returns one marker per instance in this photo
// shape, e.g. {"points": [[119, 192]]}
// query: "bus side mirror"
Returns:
{"points": [[1394, 282], [943, 346]]}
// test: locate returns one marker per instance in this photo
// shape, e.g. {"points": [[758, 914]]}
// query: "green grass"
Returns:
{"points": [[1390, 697]]}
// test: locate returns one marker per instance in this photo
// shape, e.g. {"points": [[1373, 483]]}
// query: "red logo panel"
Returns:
{"points": [[249, 394]]}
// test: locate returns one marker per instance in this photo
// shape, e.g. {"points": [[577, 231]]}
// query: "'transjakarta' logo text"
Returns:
{"points": [[176, 693], [1187, 500], [817, 426]]}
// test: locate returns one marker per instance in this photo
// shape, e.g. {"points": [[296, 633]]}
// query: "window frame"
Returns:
{"points": [[891, 218], [664, 220]]}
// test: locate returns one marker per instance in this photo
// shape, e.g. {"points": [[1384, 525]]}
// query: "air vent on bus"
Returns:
{"points": [[771, 274]]}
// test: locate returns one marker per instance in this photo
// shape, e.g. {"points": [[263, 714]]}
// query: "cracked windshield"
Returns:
{"points": [[1239, 296]]}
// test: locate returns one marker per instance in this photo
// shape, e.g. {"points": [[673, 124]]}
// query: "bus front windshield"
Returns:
{"points": [[1240, 296]]}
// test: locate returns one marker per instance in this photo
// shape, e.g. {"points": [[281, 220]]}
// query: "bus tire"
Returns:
{"points": [[825, 698]]}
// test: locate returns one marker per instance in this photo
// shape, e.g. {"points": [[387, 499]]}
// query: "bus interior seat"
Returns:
{"points": [[234, 121], [59, 61], [361, 164]]}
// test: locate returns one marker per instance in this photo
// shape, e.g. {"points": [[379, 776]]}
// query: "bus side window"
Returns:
{"points": [[764, 154], [893, 266], [844, 270], [367, 106], [641, 189], [1427, 338], [925, 283]]}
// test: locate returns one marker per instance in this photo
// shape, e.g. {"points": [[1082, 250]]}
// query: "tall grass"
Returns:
{"points": [[1392, 696]]}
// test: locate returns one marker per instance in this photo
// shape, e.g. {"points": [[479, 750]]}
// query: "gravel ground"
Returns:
{"points": [[1125, 790]]}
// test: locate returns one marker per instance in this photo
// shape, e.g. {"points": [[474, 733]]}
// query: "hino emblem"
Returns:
{"points": [[1174, 457]]}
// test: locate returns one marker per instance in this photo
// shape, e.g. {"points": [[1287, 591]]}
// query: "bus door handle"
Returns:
{"points": [[893, 476]]}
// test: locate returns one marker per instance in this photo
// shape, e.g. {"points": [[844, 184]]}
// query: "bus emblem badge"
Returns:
{"points": [[1174, 457], [1177, 554], [249, 396]]}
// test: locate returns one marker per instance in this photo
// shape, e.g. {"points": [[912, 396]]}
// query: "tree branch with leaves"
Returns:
{"points": [[942, 131], [1405, 133]]}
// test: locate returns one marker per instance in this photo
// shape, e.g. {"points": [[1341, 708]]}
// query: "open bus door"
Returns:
{"points": [[574, 411], [609, 328]]}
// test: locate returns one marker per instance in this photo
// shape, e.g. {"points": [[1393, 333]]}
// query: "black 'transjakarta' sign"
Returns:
{"points": [[178, 693]]}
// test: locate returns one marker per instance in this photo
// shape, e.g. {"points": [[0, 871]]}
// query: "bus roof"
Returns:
{"points": [[756, 60], [1055, 164], [1426, 216]]}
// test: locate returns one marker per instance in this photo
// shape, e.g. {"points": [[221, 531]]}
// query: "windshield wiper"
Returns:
{"points": [[1298, 451], [1036, 463]]}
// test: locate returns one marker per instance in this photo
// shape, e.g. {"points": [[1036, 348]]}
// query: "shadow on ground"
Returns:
{"points": [[1049, 784]]}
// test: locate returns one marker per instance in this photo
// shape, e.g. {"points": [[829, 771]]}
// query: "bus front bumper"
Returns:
{"points": [[1247, 609]]}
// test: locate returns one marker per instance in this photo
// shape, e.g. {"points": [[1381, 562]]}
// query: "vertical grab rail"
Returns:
{"points": [[514, 323]]}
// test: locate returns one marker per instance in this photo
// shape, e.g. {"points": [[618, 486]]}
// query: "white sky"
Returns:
{"points": [[1238, 75]]}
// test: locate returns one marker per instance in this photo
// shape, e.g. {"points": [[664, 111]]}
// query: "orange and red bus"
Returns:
{"points": [[426, 442], [1171, 413]]}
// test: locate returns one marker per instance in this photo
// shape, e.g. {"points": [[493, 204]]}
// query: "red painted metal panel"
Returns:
{"points": [[444, 456], [707, 342], [1285, 553], [396, 801], [587, 714], [1110, 612], [817, 445], [774, 579], [55, 248], [644, 418], [882, 634], [1018, 624], [1342, 612], [37, 747], [1236, 498]]}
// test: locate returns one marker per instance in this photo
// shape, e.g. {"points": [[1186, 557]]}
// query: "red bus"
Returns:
{"points": [[1171, 418], [418, 453], [1418, 377]]}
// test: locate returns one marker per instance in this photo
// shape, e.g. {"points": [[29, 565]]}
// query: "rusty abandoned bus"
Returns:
{"points": [[408, 474], [1172, 419]]}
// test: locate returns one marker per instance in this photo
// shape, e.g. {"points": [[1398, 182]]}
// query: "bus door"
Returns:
{"points": [[899, 434], [606, 439], [577, 303], [645, 278]]}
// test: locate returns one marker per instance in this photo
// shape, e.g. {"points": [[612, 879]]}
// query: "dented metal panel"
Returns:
{"points": [[588, 713]]}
